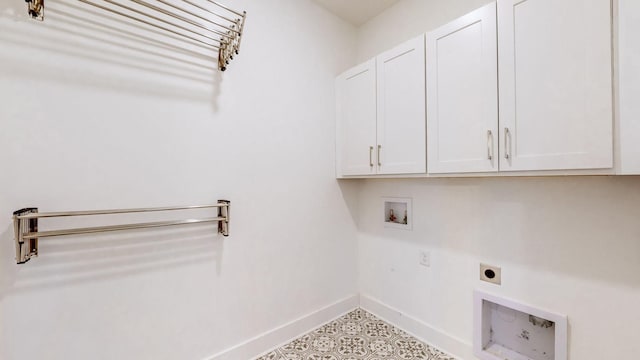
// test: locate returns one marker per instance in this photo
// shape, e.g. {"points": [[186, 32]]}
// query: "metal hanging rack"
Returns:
{"points": [[224, 34], [25, 224]]}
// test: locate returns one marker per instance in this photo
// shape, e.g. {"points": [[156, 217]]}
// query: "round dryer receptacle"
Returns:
{"points": [[490, 274]]}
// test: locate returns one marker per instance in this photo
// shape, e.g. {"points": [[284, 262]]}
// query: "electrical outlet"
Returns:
{"points": [[425, 258], [491, 274]]}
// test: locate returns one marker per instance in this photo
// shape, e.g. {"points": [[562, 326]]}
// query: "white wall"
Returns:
{"points": [[568, 245], [89, 122], [406, 20]]}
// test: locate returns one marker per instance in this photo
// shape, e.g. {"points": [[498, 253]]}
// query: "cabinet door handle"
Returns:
{"points": [[506, 148], [489, 145], [371, 156], [379, 161]]}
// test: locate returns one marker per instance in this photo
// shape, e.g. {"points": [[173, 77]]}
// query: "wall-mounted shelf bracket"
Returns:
{"points": [[25, 248], [35, 9], [223, 213]]}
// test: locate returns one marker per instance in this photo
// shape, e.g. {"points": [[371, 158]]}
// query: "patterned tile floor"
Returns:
{"points": [[357, 335]]}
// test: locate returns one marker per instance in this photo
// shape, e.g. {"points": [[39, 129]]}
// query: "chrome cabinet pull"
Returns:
{"points": [[371, 156], [379, 161], [489, 145], [506, 149]]}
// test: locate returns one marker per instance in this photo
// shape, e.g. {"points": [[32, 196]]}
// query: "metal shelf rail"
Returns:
{"points": [[26, 234], [220, 29]]}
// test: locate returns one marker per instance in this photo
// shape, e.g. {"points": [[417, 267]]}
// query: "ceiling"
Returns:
{"points": [[356, 12]]}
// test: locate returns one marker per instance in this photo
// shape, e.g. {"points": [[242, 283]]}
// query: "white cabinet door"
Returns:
{"points": [[401, 147], [462, 94], [356, 125], [555, 84]]}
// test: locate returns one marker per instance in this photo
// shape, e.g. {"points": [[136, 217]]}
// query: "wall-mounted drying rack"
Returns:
{"points": [[220, 30], [25, 224]]}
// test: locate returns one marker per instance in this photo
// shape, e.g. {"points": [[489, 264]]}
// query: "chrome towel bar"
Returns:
{"points": [[26, 234]]}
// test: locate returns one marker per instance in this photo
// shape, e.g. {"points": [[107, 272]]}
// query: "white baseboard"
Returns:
{"points": [[430, 335], [281, 335]]}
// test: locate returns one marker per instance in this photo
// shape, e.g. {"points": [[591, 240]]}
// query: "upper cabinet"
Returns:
{"points": [[462, 94], [516, 86], [356, 126], [401, 109], [381, 126], [553, 63], [555, 73]]}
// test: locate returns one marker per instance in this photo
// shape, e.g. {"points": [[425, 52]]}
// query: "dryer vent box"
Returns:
{"points": [[507, 330]]}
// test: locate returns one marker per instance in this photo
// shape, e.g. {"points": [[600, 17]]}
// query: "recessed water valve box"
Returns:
{"points": [[397, 213]]}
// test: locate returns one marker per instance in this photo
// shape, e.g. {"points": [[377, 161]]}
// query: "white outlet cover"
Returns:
{"points": [[425, 258]]}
